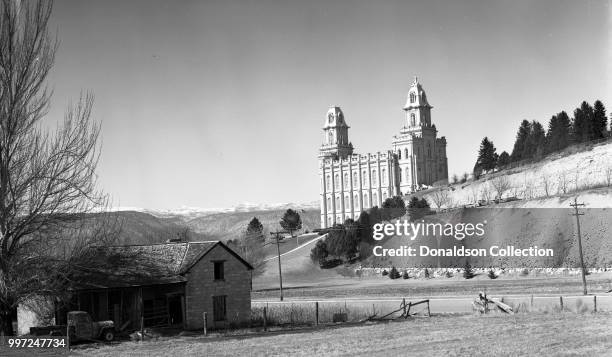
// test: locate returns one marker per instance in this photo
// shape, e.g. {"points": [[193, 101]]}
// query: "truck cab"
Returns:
{"points": [[82, 327]]}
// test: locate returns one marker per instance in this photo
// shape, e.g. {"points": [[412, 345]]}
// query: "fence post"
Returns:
{"points": [[561, 302], [205, 318], [428, 311], [404, 306], [317, 313], [594, 303], [265, 316]]}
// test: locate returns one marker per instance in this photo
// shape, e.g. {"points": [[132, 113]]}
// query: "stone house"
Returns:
{"points": [[169, 284]]}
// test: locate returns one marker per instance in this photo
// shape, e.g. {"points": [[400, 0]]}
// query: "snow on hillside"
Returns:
{"points": [[538, 183]]}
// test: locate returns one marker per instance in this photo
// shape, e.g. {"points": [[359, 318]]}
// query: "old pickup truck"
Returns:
{"points": [[81, 328]]}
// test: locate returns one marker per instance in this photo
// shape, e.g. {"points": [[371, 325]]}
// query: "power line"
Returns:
{"points": [[577, 214]]}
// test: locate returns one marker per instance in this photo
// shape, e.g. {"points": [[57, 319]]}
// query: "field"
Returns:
{"points": [[563, 334], [339, 288]]}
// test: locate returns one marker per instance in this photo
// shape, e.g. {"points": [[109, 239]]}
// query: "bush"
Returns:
{"points": [[492, 274], [385, 273], [449, 274], [524, 272], [426, 273], [405, 275], [468, 273], [394, 274]]}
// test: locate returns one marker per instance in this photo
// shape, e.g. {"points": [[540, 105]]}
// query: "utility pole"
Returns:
{"points": [[575, 205], [280, 273]]}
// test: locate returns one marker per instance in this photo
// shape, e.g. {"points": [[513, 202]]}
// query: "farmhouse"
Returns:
{"points": [[170, 284]]}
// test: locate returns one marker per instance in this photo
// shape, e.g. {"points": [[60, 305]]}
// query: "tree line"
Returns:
{"points": [[533, 142], [353, 240]]}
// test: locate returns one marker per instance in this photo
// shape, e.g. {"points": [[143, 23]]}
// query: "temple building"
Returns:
{"points": [[352, 183]]}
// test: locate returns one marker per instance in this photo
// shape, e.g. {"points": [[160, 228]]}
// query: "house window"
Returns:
{"points": [[219, 308], [374, 178], [412, 119], [346, 179], [218, 270], [383, 173], [412, 97], [355, 178], [336, 181], [327, 182]]}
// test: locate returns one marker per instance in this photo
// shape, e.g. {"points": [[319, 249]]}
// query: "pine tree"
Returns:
{"points": [[394, 274], [558, 135], [468, 273], [255, 229], [521, 141], [418, 208], [600, 120], [487, 157], [319, 253], [582, 127], [503, 160], [535, 141]]}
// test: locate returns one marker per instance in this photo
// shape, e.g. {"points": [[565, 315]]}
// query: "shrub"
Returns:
{"points": [[385, 273], [394, 274], [468, 273], [492, 274], [426, 273], [449, 274], [524, 272], [405, 275]]}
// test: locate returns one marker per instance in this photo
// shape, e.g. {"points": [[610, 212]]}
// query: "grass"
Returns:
{"points": [[384, 287], [565, 334]]}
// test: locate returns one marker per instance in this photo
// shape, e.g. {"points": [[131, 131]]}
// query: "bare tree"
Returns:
{"points": [[500, 184], [440, 198], [608, 172], [546, 184], [251, 248], [485, 192], [473, 194], [563, 183], [47, 180]]}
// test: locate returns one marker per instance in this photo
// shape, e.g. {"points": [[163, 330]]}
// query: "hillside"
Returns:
{"points": [[142, 228], [520, 226], [230, 225], [557, 175]]}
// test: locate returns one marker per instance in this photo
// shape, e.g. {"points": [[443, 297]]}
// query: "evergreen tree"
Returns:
{"points": [[394, 274], [503, 160], [319, 253], [365, 228], [468, 273], [291, 221], [582, 127], [535, 141], [255, 229], [394, 207], [520, 144], [600, 120], [558, 134], [487, 157], [418, 208]]}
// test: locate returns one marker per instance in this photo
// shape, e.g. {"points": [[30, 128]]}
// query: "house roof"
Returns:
{"points": [[144, 265]]}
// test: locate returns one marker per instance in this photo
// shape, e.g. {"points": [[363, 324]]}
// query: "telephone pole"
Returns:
{"points": [[575, 205], [280, 273]]}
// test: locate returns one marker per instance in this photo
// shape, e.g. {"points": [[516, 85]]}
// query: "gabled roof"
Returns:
{"points": [[144, 265]]}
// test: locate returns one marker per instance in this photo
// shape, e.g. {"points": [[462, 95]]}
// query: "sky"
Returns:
{"points": [[215, 103]]}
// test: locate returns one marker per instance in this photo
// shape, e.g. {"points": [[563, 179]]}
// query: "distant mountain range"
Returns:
{"points": [[188, 213], [143, 226]]}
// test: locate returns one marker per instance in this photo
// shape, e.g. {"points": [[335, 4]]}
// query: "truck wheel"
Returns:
{"points": [[108, 335]]}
